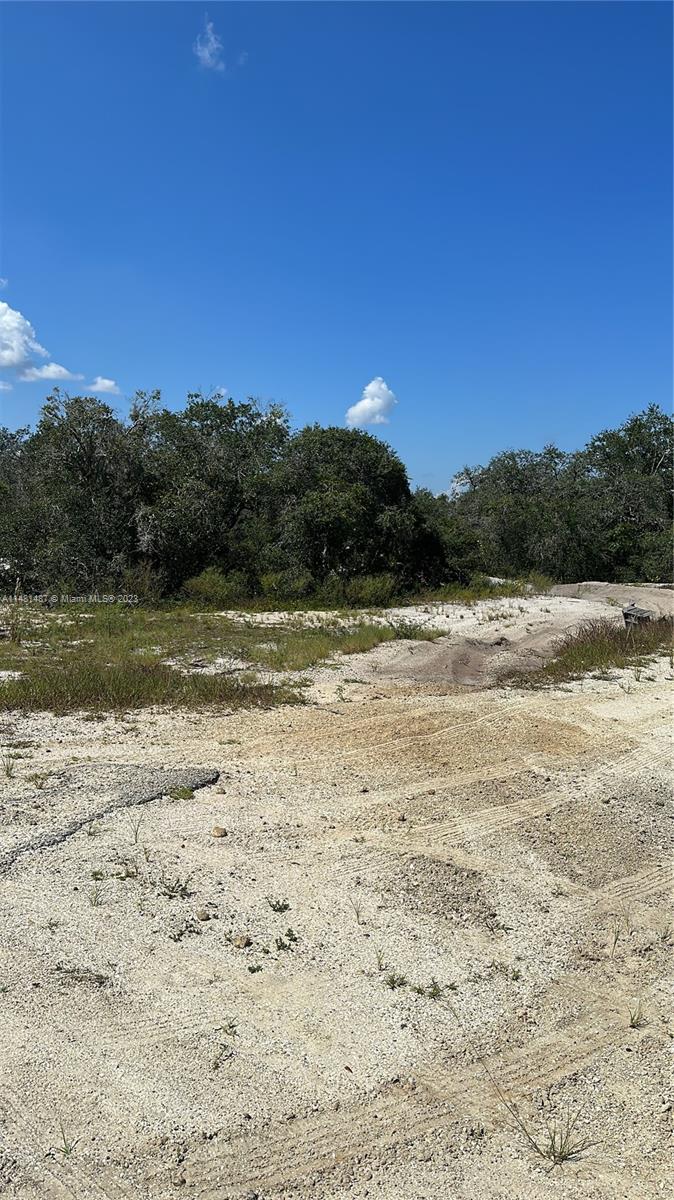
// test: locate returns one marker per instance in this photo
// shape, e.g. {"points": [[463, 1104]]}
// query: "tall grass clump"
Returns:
{"points": [[600, 645], [89, 683], [298, 649]]}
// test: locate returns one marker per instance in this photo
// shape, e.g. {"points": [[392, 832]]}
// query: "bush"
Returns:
{"points": [[286, 585], [214, 588], [330, 592], [370, 591], [144, 582], [539, 584]]}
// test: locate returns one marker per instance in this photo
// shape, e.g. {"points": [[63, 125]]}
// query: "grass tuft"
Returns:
{"points": [[600, 645]]}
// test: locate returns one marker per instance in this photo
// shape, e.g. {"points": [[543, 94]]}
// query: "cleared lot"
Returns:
{"points": [[428, 902]]}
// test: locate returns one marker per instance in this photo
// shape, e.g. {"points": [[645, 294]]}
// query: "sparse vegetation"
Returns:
{"points": [[637, 1018], [599, 645], [181, 793], [560, 1142], [67, 1145], [82, 682], [174, 886], [287, 943], [8, 763], [99, 658], [393, 981], [278, 906], [135, 823], [615, 937]]}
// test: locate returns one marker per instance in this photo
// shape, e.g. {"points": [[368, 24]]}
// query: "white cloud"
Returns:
{"points": [[208, 48], [373, 407], [17, 338], [3, 281], [101, 384], [50, 370], [5, 387]]}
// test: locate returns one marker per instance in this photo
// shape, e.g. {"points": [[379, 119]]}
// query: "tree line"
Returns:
{"points": [[223, 500]]}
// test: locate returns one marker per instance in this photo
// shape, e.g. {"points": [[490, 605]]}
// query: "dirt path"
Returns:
{"points": [[186, 1015]]}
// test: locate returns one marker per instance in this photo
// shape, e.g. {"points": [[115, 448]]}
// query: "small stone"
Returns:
{"points": [[402, 817], [218, 831], [203, 914], [241, 941]]}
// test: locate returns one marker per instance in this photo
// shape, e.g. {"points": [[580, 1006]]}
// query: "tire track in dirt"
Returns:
{"points": [[636, 887], [319, 1143], [496, 818], [500, 712], [64, 1178]]}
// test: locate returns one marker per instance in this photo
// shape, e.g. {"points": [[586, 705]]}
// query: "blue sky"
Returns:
{"points": [[471, 202]]}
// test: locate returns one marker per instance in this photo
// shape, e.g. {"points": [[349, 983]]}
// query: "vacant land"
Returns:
{"points": [[406, 939]]}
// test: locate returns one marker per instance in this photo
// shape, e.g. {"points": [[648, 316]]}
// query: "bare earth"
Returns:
{"points": [[512, 845]]}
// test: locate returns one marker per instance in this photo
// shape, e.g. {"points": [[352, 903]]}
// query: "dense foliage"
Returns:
{"points": [[223, 500]]}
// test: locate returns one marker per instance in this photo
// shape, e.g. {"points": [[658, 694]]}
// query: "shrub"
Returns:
{"points": [[286, 585], [213, 587], [370, 591], [143, 581], [331, 592]]}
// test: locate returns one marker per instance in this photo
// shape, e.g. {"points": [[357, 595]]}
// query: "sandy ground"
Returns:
{"points": [[190, 1015]]}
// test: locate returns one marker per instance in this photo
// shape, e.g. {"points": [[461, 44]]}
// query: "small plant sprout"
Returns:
{"points": [[665, 932], [288, 943], [358, 912], [394, 981], [379, 959], [39, 779], [128, 868], [8, 761], [135, 823], [615, 937], [434, 990], [96, 896], [278, 906], [67, 1146], [628, 922], [637, 1017], [181, 793], [172, 887]]}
